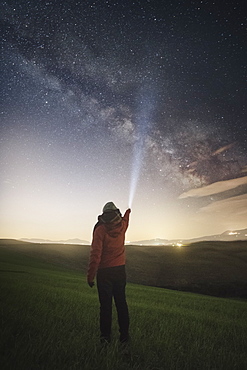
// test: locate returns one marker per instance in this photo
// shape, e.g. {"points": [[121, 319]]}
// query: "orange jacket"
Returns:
{"points": [[107, 248]]}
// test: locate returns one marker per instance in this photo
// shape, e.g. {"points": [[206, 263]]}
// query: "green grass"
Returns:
{"points": [[49, 320]]}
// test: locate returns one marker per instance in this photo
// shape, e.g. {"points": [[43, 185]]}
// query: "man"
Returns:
{"points": [[107, 260]]}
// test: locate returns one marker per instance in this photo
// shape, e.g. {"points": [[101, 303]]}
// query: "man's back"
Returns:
{"points": [[107, 249]]}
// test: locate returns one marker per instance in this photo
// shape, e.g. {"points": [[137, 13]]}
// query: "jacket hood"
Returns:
{"points": [[111, 217], [112, 221]]}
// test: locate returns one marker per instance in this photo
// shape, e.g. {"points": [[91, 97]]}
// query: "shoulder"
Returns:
{"points": [[99, 228]]}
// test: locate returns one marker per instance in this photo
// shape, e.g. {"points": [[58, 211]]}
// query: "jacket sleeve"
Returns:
{"points": [[126, 218], [95, 253]]}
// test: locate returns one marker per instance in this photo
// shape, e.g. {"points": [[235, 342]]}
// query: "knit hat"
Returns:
{"points": [[110, 206]]}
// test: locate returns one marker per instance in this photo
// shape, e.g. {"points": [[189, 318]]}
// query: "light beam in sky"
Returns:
{"points": [[143, 123], [136, 168]]}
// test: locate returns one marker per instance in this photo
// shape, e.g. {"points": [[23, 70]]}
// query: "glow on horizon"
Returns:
{"points": [[37, 205], [60, 218]]}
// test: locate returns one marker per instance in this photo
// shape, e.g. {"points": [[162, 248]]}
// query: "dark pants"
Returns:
{"points": [[111, 282]]}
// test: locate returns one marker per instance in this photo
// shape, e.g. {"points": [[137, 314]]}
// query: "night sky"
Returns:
{"points": [[100, 97]]}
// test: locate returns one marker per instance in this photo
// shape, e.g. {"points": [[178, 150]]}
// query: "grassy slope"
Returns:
{"points": [[213, 268], [49, 318]]}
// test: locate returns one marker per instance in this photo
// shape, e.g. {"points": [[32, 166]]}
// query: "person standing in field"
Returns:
{"points": [[107, 260]]}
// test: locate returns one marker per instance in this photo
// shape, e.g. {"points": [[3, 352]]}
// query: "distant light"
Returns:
{"points": [[179, 245], [232, 233]]}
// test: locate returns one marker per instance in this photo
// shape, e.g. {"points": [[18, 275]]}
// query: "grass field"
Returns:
{"points": [[211, 268], [49, 320]]}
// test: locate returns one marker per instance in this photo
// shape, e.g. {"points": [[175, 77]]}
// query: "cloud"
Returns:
{"points": [[215, 188], [222, 215], [227, 214], [236, 206]]}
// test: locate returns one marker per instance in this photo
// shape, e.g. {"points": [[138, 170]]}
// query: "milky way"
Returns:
{"points": [[83, 83]]}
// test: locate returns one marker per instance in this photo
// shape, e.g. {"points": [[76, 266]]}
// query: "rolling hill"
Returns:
{"points": [[213, 268]]}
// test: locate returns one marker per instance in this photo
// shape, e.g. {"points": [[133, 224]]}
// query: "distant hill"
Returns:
{"points": [[229, 235], [156, 241], [68, 241]]}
